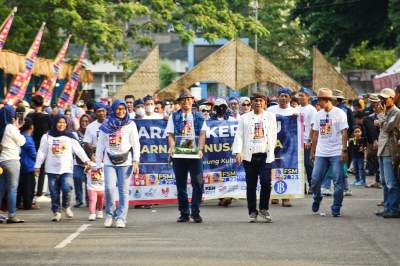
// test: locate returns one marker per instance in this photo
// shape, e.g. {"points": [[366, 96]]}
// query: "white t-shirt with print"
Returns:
{"points": [[92, 133], [95, 178], [329, 126], [259, 142], [307, 114], [277, 110]]}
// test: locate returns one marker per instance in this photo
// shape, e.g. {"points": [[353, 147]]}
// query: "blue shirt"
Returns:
{"points": [[28, 155]]}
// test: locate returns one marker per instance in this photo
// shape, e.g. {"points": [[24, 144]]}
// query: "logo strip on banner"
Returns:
{"points": [[47, 86], [70, 88], [21, 81], [155, 183], [6, 26]]}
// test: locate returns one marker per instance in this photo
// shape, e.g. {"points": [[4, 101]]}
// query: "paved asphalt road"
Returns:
{"points": [[296, 237]]}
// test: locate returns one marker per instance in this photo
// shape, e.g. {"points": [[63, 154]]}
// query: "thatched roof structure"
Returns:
{"points": [[145, 80], [13, 63], [236, 65], [326, 76]]}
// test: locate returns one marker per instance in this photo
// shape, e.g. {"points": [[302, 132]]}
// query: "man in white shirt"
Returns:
{"points": [[92, 130], [130, 99], [254, 145], [149, 107], [307, 115], [328, 149], [284, 109]]}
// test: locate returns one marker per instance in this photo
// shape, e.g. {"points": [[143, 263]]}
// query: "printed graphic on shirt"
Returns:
{"points": [[258, 130], [96, 177], [325, 127], [58, 147], [187, 129], [115, 139]]}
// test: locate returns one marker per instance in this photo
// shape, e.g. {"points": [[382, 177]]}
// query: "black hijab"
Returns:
{"points": [[54, 132]]}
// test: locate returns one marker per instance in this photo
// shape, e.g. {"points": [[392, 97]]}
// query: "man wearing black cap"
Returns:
{"points": [[254, 145], [187, 126]]}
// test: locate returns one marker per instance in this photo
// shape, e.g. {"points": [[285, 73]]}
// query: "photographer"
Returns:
{"points": [[388, 152], [11, 142]]}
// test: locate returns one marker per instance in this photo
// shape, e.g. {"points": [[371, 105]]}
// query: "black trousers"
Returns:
{"points": [[26, 190], [254, 169], [41, 178]]}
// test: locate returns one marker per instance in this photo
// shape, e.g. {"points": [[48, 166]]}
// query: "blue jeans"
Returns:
{"points": [[358, 164], [57, 184], [79, 179], [181, 169], [117, 177], [391, 186], [9, 182], [321, 166], [308, 165]]}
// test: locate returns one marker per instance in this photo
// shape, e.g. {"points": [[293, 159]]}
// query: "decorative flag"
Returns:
{"points": [[47, 86], [68, 94], [21, 81], [5, 27]]}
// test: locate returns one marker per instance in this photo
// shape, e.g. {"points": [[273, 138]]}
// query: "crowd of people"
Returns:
{"points": [[94, 149]]}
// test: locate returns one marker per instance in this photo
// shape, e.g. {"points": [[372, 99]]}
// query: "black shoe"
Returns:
{"points": [[391, 215], [197, 219], [78, 205], [379, 213], [183, 219]]}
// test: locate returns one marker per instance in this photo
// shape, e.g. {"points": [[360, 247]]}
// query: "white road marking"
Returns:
{"points": [[72, 236]]}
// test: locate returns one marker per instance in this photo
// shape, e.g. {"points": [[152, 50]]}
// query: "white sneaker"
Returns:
{"points": [[108, 222], [92, 217], [326, 192], [266, 217], [68, 212], [348, 193], [253, 217], [119, 224], [56, 217], [99, 215]]}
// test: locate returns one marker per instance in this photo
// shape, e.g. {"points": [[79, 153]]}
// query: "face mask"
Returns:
{"points": [[150, 109], [220, 110], [140, 111]]}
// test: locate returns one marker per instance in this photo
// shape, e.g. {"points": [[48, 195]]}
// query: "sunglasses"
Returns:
{"points": [[246, 104], [204, 111], [327, 118]]}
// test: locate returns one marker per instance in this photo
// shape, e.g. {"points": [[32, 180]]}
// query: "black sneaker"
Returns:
{"points": [[391, 215], [78, 205], [197, 219], [266, 217], [379, 213], [183, 219]]}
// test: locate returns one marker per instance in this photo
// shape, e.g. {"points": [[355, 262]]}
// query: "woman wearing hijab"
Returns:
{"points": [[57, 148], [79, 175], [118, 148], [11, 142]]}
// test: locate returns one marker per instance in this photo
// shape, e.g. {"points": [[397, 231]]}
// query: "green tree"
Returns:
{"points": [[167, 74], [361, 57], [336, 26], [285, 46], [106, 25]]}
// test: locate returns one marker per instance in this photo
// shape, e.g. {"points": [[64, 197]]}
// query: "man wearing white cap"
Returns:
{"points": [[329, 149], [389, 153]]}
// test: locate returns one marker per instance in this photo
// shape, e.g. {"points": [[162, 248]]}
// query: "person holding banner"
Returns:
{"points": [[328, 149], [254, 145], [118, 148], [185, 127], [284, 109]]}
